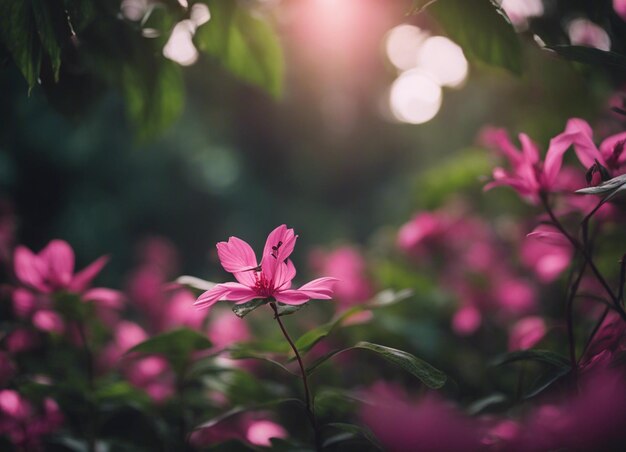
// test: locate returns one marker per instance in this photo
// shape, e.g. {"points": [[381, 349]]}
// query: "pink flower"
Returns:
{"points": [[620, 8], [422, 228], [583, 32], [547, 252], [260, 432], [48, 321], [531, 177], [466, 320], [226, 329], [53, 268], [269, 280], [526, 333]]}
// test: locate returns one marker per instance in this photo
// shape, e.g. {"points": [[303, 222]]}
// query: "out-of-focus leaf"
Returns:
{"points": [[388, 297], [590, 55], [357, 430], [429, 375], [546, 380], [176, 346], [154, 95], [242, 409], [197, 285], [242, 352], [246, 45], [543, 356], [481, 404], [243, 309], [18, 32], [288, 309], [80, 13], [481, 29], [121, 391]]}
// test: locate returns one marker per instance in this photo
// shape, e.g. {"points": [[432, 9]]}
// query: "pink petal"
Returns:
{"points": [[237, 257], [48, 321], [83, 278], [550, 237], [607, 146], [107, 297], [286, 271], [499, 139], [29, 269], [287, 240], [318, 289], [59, 257], [529, 148], [291, 296], [230, 291]]}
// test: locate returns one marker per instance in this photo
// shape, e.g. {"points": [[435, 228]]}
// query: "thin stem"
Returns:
{"points": [[305, 383], [569, 309], [91, 435], [596, 328], [582, 248]]}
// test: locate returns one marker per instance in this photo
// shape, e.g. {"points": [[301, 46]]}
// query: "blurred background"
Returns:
{"points": [[361, 115]]}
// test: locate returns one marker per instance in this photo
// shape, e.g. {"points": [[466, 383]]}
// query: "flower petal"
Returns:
{"points": [[104, 296], [280, 242], [286, 271], [292, 297], [83, 278], [237, 257], [59, 258], [29, 268], [226, 291]]}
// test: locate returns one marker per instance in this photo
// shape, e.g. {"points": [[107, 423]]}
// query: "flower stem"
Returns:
{"points": [[91, 434], [305, 383], [582, 248]]}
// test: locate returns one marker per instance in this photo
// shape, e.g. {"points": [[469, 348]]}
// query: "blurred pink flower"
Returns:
{"points": [[620, 8], [21, 340], [546, 252], [466, 320], [429, 423], [53, 268], [526, 333], [179, 311], [514, 295], [226, 329], [420, 230], [48, 321], [583, 32], [271, 279], [260, 432], [529, 176]]}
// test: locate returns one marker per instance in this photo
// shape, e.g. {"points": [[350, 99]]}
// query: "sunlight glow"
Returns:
{"points": [[402, 45], [414, 97], [444, 60], [179, 47]]}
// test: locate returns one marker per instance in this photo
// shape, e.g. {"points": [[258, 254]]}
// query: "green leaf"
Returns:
{"points": [[590, 55], [246, 45], [176, 346], [243, 352], [18, 32], [357, 430], [543, 356], [52, 29], [154, 95], [388, 297], [80, 13], [242, 409], [243, 309], [430, 376], [288, 309], [481, 28], [546, 380], [309, 339]]}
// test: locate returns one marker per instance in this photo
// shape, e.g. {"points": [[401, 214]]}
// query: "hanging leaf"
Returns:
{"points": [[244, 44], [288, 309], [18, 32], [590, 55], [481, 28], [52, 29], [429, 375], [543, 356], [241, 351], [356, 430], [243, 309]]}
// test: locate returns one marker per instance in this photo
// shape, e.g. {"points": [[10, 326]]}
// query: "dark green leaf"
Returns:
{"points": [[430, 376], [246, 45], [543, 356], [308, 340], [358, 430], [52, 29], [288, 309], [590, 55], [243, 309], [243, 352], [80, 12], [18, 32], [154, 95], [176, 346], [546, 380], [242, 409], [481, 29]]}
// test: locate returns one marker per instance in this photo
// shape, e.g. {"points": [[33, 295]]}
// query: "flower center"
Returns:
{"points": [[262, 286]]}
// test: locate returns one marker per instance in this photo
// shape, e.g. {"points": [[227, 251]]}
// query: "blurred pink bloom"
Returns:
{"points": [[48, 321], [514, 295], [526, 333], [153, 375], [466, 320], [503, 432], [607, 343], [53, 268], [583, 32], [429, 423], [226, 329], [620, 8], [271, 279], [547, 252], [179, 311], [125, 336], [421, 229], [260, 432], [529, 176], [26, 303], [21, 340]]}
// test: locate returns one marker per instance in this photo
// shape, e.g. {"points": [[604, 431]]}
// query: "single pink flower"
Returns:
{"points": [[260, 432], [53, 268], [526, 333], [269, 280], [466, 320]]}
